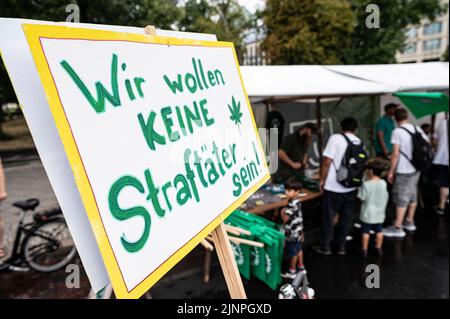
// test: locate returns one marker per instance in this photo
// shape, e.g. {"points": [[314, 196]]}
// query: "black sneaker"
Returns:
{"points": [[341, 251], [379, 252]]}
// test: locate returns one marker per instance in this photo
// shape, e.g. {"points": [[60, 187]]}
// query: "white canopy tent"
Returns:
{"points": [[299, 82], [400, 77], [310, 81], [303, 81]]}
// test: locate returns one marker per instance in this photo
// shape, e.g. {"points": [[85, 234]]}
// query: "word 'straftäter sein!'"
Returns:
{"points": [[201, 172]]}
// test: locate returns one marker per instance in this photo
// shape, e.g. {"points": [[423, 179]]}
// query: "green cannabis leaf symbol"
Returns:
{"points": [[235, 110]]}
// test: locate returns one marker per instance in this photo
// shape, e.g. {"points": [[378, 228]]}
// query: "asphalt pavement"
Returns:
{"points": [[415, 267]]}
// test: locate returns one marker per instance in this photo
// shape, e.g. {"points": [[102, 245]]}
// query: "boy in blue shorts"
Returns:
{"points": [[374, 197]]}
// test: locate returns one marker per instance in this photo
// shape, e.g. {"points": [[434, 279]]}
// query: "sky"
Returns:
{"points": [[252, 5]]}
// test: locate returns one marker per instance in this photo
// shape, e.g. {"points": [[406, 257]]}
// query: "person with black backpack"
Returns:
{"points": [[411, 154], [344, 162]]}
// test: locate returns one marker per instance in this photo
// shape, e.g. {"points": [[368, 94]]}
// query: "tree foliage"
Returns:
{"points": [[225, 18], [307, 31], [100, 11], [329, 32], [370, 46]]}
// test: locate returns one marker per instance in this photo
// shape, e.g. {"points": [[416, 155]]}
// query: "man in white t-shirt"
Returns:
{"points": [[403, 175], [441, 163], [336, 197]]}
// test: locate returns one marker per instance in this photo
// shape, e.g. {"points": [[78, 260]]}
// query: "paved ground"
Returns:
{"points": [[416, 267]]}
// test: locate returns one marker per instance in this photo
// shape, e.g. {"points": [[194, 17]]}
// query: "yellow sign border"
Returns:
{"points": [[33, 33]]}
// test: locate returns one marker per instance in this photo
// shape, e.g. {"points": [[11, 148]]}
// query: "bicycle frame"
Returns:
{"points": [[16, 256]]}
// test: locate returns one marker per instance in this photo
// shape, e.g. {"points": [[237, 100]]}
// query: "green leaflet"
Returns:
{"points": [[235, 110]]}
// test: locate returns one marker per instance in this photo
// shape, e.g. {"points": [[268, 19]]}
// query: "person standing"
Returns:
{"points": [[374, 197], [383, 131], [293, 229], [293, 153], [336, 197], [3, 196], [403, 175], [441, 163], [426, 128]]}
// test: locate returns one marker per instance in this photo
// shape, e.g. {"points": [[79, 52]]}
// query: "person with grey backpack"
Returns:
{"points": [[411, 154]]}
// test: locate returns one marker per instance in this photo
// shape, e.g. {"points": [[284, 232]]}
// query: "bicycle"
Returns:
{"points": [[44, 245]]}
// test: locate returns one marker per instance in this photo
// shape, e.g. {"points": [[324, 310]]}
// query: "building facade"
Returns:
{"points": [[426, 42], [253, 54]]}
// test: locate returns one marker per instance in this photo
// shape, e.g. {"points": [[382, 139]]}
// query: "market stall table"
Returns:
{"points": [[268, 205], [273, 202], [260, 203]]}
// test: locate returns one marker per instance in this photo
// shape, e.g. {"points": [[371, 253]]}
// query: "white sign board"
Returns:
{"points": [[160, 137], [21, 68]]}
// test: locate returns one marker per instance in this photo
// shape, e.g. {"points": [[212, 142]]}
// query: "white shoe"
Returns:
{"points": [[289, 274], [409, 226], [391, 231]]}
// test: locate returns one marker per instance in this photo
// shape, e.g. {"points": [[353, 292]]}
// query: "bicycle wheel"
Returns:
{"points": [[49, 247]]}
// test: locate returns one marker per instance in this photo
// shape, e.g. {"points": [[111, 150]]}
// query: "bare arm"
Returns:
{"points": [[394, 161], [434, 142], [3, 193], [326, 163], [284, 216], [285, 158], [380, 135], [305, 161]]}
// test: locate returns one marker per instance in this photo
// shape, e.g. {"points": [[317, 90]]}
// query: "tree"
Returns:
{"points": [[445, 57], [307, 31], [197, 17], [100, 11], [225, 18], [163, 14], [379, 45]]}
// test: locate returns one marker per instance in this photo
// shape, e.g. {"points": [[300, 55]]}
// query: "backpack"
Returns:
{"points": [[351, 172], [422, 155]]}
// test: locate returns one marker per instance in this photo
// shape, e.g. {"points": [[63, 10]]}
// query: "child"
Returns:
{"points": [[293, 229], [374, 196]]}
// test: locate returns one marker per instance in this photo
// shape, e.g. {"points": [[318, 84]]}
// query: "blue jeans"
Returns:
{"points": [[332, 204]]}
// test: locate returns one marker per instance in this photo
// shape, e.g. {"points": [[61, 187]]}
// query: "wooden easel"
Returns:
{"points": [[236, 231], [222, 244], [228, 263]]}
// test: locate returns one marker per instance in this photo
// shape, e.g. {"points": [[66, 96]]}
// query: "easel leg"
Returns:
{"points": [[228, 263]]}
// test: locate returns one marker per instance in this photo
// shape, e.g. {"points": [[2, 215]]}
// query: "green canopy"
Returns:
{"points": [[423, 103]]}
